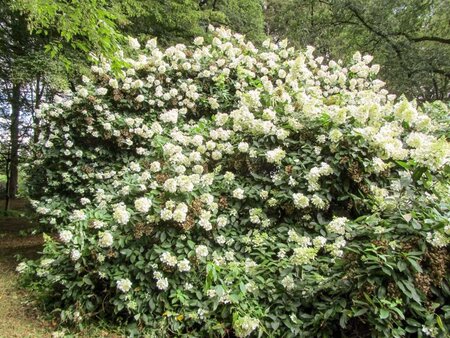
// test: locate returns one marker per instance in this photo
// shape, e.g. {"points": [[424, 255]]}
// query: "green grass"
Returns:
{"points": [[19, 317]]}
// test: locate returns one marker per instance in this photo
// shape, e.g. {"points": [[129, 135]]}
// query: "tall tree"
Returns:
{"points": [[245, 17], [174, 21], [100, 26], [86, 26], [25, 76], [14, 40], [409, 38]]}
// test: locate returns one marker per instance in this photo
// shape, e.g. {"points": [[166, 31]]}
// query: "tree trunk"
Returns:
{"points": [[19, 36], [37, 103], [14, 155], [7, 198]]}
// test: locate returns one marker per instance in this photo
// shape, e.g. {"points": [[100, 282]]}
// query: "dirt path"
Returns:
{"points": [[18, 315]]}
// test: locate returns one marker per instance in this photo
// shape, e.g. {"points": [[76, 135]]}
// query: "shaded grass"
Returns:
{"points": [[19, 317]]}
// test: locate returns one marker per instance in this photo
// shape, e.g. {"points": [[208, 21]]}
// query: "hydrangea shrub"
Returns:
{"points": [[224, 189]]}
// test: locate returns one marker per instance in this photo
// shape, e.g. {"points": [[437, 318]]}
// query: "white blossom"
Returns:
{"points": [[238, 193], [184, 265], [143, 204], [106, 239], [201, 251], [65, 236], [121, 214], [162, 284], [275, 156], [75, 255], [124, 285]]}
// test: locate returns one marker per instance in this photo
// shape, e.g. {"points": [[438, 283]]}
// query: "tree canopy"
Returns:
{"points": [[102, 25], [410, 39]]}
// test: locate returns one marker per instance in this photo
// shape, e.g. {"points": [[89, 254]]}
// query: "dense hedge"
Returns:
{"points": [[221, 190]]}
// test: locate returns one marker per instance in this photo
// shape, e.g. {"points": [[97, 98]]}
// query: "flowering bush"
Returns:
{"points": [[224, 188]]}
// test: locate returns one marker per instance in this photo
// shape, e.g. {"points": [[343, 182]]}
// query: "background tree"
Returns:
{"points": [[27, 76], [87, 26], [15, 47], [176, 21], [246, 17], [410, 39], [100, 26]]}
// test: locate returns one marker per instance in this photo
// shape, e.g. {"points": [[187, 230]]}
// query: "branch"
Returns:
{"points": [[444, 73], [441, 72], [375, 31], [214, 5], [431, 38], [423, 38]]}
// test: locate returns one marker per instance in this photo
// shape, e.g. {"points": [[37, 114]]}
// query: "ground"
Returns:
{"points": [[20, 315]]}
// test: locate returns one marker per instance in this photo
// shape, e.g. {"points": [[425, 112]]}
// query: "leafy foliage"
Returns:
{"points": [[408, 38], [220, 188], [101, 27]]}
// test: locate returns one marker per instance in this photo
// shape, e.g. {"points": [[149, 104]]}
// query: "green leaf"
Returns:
{"points": [[440, 323], [384, 313], [343, 320], [399, 312], [403, 164], [190, 244], [412, 291], [418, 173], [401, 265], [414, 264], [413, 322], [360, 312]]}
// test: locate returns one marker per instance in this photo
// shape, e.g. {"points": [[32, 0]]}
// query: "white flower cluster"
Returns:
{"points": [[65, 236], [168, 259], [438, 239], [314, 175], [77, 215], [275, 156], [303, 255], [201, 251], [239, 193], [105, 239], [288, 282], [162, 283], [121, 214], [184, 265], [124, 285], [176, 212], [75, 255], [300, 200], [245, 326], [337, 225], [143, 204], [22, 267], [427, 150], [180, 212]]}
